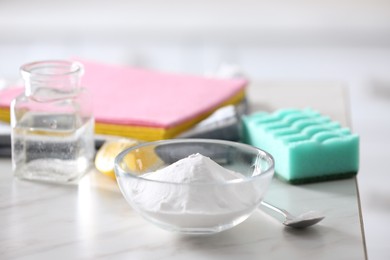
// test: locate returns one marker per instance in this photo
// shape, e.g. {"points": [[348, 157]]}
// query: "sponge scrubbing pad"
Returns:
{"points": [[306, 145]]}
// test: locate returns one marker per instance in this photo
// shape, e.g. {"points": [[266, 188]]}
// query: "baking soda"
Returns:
{"points": [[206, 200]]}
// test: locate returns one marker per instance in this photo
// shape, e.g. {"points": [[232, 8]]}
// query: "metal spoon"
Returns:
{"points": [[304, 220]]}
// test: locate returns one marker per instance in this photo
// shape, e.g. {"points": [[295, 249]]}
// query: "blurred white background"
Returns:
{"points": [[347, 41]]}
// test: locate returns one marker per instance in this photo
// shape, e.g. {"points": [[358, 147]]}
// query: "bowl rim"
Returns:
{"points": [[260, 154]]}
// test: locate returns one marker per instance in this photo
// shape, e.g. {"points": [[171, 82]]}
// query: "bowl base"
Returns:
{"points": [[198, 230]]}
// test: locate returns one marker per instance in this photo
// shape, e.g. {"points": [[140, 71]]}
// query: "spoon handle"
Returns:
{"points": [[285, 214]]}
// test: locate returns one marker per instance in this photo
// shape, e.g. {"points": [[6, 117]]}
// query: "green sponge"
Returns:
{"points": [[306, 146]]}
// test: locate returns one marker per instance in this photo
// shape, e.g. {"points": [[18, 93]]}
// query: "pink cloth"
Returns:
{"points": [[128, 96]]}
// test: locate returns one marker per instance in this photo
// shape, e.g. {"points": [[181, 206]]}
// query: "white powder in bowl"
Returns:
{"points": [[203, 202]]}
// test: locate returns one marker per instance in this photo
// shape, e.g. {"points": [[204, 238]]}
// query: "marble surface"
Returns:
{"points": [[91, 220]]}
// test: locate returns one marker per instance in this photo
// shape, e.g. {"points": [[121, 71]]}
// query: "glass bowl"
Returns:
{"points": [[195, 186]]}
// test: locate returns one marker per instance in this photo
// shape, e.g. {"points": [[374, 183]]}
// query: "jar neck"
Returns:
{"points": [[60, 77]]}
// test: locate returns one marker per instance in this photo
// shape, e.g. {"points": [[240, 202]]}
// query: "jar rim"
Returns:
{"points": [[60, 68]]}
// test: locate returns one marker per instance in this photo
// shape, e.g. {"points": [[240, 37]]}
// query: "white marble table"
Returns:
{"points": [[92, 220]]}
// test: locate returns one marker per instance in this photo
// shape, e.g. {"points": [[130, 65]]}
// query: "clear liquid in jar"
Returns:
{"points": [[57, 148]]}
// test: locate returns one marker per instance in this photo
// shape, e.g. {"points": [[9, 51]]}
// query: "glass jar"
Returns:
{"points": [[52, 123]]}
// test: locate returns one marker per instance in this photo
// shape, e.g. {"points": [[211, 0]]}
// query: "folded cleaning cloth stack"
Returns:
{"points": [[306, 146], [144, 104]]}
